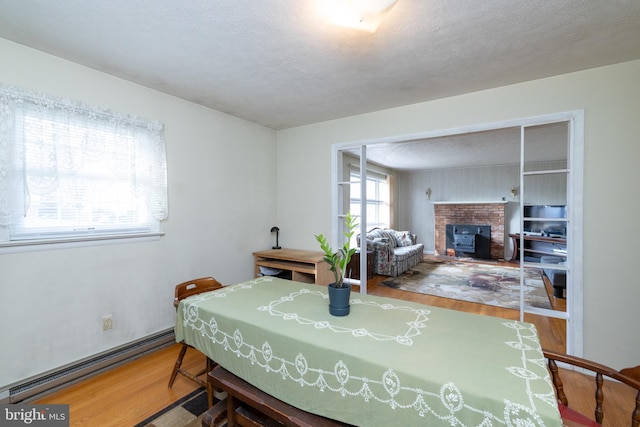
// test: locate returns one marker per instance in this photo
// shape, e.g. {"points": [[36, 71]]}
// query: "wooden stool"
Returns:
{"points": [[247, 405]]}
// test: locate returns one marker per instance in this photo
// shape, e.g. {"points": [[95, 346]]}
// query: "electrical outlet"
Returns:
{"points": [[107, 322]]}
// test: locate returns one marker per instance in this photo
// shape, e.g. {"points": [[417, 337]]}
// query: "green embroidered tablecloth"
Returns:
{"points": [[388, 363]]}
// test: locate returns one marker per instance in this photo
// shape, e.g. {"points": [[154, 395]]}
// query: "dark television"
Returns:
{"points": [[539, 220]]}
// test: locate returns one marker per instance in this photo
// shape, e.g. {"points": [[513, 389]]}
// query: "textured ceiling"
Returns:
{"points": [[279, 64], [544, 143]]}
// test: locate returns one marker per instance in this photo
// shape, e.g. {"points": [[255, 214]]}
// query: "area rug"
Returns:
{"points": [[474, 282], [186, 412]]}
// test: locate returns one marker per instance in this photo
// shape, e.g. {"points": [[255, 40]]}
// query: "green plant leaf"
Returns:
{"points": [[338, 261]]}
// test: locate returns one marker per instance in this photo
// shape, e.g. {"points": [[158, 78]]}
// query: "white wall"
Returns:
{"points": [[222, 190], [610, 97]]}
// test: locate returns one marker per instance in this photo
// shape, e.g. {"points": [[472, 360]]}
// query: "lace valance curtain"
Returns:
{"points": [[68, 134]]}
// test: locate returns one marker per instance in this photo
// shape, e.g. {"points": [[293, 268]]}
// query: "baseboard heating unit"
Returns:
{"points": [[33, 388]]}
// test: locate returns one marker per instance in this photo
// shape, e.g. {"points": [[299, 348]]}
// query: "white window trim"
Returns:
{"points": [[76, 242]]}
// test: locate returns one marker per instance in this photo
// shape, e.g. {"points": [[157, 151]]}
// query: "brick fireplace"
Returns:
{"points": [[478, 213]]}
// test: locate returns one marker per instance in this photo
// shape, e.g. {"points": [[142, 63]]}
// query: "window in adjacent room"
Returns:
{"points": [[378, 198], [72, 171]]}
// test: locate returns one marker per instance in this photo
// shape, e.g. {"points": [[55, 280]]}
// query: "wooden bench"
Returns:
{"points": [[246, 405]]}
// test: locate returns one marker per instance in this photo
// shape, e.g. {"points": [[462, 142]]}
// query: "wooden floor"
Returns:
{"points": [[128, 394]]}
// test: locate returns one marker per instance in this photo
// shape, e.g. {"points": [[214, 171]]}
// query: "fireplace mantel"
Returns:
{"points": [[504, 202]]}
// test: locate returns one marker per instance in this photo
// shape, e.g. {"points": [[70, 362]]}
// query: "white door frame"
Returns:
{"points": [[575, 301]]}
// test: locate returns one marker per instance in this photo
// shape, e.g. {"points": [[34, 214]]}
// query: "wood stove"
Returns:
{"points": [[469, 240]]}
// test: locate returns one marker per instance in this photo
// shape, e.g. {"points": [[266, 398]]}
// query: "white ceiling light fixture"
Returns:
{"points": [[365, 15]]}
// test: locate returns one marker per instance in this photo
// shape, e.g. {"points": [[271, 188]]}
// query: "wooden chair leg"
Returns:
{"points": [[209, 385], [216, 415], [210, 364], [635, 416], [177, 365]]}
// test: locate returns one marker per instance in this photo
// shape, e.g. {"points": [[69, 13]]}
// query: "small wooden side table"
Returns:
{"points": [[300, 265], [354, 265]]}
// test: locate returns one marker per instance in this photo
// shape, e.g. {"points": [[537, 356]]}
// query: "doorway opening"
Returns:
{"points": [[518, 163]]}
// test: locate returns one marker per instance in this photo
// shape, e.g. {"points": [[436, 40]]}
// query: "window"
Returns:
{"points": [[378, 198], [74, 171]]}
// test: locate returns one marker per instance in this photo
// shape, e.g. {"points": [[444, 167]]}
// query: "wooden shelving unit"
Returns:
{"points": [[538, 246]]}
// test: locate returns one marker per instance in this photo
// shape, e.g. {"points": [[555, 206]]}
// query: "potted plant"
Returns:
{"points": [[339, 291]]}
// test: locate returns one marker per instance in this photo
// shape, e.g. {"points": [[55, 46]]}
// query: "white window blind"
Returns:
{"points": [[68, 169]]}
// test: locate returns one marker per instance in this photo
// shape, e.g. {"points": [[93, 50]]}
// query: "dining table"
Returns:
{"points": [[389, 362]]}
